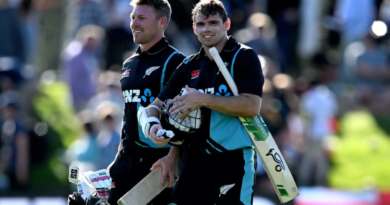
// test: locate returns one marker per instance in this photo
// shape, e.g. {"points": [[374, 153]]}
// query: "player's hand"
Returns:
{"points": [[155, 138], [192, 100], [169, 165], [101, 180]]}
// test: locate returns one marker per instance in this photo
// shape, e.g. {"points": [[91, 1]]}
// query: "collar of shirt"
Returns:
{"points": [[230, 46], [156, 48]]}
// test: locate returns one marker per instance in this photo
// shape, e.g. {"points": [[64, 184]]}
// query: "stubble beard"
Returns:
{"points": [[140, 40]]}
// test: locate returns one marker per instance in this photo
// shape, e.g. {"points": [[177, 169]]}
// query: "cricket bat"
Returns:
{"points": [[269, 153], [145, 190]]}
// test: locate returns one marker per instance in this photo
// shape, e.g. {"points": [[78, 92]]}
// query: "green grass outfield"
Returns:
{"points": [[361, 156]]}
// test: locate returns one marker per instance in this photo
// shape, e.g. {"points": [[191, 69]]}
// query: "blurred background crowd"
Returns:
{"points": [[326, 95]]}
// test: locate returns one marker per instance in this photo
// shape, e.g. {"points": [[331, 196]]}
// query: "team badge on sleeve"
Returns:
{"points": [[126, 73]]}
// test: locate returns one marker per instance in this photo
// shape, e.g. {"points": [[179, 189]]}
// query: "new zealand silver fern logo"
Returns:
{"points": [[150, 70], [224, 189], [277, 159]]}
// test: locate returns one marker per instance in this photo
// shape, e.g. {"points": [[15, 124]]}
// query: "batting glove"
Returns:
{"points": [[101, 180]]}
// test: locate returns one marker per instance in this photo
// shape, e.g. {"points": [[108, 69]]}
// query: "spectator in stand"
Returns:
{"points": [[85, 149], [12, 46], [14, 143], [119, 36], [310, 30], [285, 15], [372, 69], [11, 41], [28, 20], [108, 138], [384, 12], [81, 66], [109, 89], [319, 107], [81, 13], [354, 21], [259, 34]]}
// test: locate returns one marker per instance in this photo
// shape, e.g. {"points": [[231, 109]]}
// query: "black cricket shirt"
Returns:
{"points": [[219, 132], [143, 77]]}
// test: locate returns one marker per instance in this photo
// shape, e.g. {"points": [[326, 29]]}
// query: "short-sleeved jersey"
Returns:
{"points": [[143, 77], [219, 132]]}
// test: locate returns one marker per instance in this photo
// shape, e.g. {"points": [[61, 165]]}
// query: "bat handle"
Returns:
{"points": [[218, 60]]}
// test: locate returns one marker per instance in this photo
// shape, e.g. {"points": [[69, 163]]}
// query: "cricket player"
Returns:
{"points": [[219, 162], [144, 75]]}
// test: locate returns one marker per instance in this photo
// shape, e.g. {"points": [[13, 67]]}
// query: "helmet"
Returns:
{"points": [[190, 123]]}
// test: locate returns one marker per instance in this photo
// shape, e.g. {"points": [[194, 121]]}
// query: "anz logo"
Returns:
{"points": [[207, 90], [147, 97], [223, 91], [131, 96]]}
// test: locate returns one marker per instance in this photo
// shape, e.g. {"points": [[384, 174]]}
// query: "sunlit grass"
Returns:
{"points": [[362, 155]]}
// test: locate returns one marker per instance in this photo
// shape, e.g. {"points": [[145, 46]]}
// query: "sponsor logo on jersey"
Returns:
{"points": [[223, 91], [195, 74], [150, 70], [147, 97], [130, 96], [207, 90], [224, 189], [277, 159], [126, 73]]}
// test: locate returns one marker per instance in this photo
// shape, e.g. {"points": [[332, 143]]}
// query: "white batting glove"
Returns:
{"points": [[101, 180], [86, 186]]}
